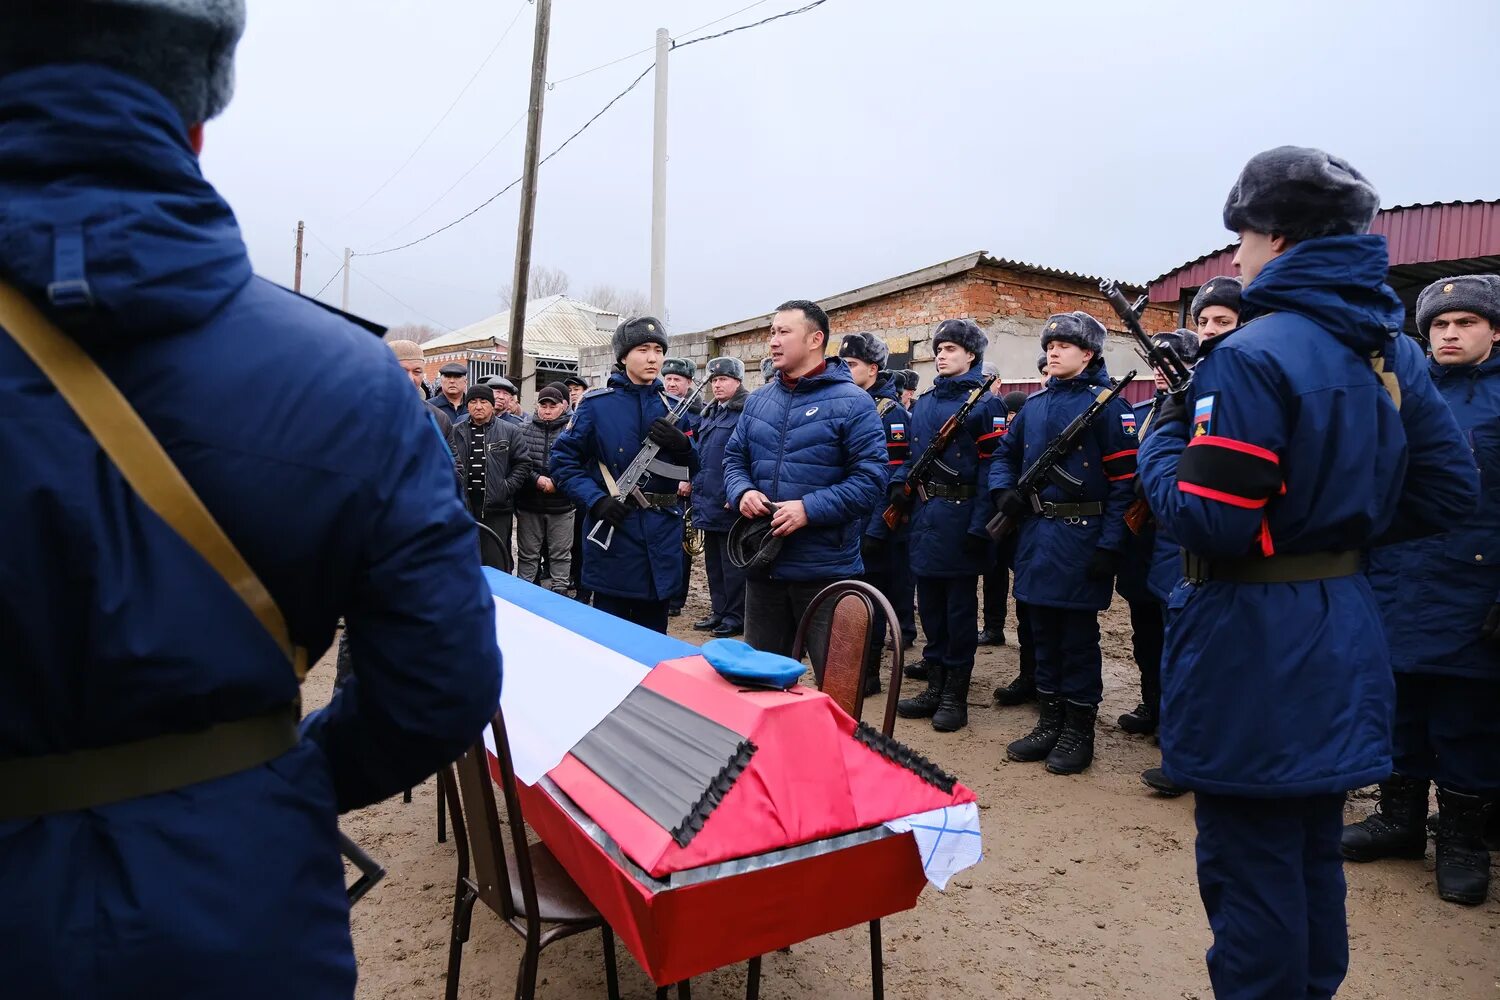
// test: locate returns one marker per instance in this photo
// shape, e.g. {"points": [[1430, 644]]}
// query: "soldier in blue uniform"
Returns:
{"points": [[642, 568], [1022, 688], [948, 511], [677, 374], [711, 511], [1216, 307], [1069, 549], [1311, 432], [1437, 597]]}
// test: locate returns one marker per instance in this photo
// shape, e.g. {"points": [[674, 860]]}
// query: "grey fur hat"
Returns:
{"points": [[727, 365], [636, 331], [1074, 328], [1302, 194], [686, 367], [1221, 291], [1475, 293], [1182, 340], [1041, 363], [184, 49], [767, 366], [963, 332], [989, 368], [865, 347]]}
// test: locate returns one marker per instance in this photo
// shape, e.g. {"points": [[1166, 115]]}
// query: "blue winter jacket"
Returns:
{"points": [[1285, 689], [820, 442], [1132, 580], [1052, 555], [1434, 592], [948, 537], [306, 442], [896, 422], [644, 559], [711, 510]]}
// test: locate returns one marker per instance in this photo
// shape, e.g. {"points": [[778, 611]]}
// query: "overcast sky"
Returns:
{"points": [[826, 151]]}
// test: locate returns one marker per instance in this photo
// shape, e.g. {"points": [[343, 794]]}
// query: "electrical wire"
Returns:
{"points": [[319, 293], [381, 288], [652, 48], [747, 27]]}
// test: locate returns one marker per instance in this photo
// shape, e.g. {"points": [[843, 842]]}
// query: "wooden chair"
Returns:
{"points": [[520, 881]]}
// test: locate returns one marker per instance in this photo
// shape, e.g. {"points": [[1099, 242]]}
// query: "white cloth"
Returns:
{"points": [[948, 839]]}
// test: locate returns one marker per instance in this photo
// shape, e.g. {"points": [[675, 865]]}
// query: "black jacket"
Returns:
{"points": [[506, 466], [540, 435]]}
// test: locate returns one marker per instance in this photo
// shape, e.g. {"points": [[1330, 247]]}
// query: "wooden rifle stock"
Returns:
{"points": [[893, 514]]}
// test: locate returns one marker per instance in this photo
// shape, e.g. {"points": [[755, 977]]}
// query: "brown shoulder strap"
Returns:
{"points": [[129, 443]]}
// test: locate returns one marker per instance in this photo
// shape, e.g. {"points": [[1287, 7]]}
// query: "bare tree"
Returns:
{"points": [[619, 300], [542, 282], [420, 332]]}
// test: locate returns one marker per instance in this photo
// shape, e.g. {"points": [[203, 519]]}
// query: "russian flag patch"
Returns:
{"points": [[1127, 421], [1203, 415]]}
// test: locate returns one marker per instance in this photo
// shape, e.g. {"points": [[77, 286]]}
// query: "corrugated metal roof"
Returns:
{"points": [[1416, 234], [556, 326]]}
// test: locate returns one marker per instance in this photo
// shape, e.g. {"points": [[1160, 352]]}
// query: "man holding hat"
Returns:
{"points": [[494, 464], [1216, 307], [1437, 598], [453, 382], [641, 568], [1310, 432], [168, 822], [712, 513]]}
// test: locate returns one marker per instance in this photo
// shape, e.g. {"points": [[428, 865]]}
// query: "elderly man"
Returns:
{"points": [[493, 461], [453, 382]]}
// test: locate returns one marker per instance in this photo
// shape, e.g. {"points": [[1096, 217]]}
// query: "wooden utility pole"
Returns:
{"points": [[297, 268], [659, 181], [516, 358]]}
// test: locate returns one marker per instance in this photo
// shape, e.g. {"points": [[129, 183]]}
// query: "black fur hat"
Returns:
{"points": [[1041, 363], [1074, 328], [1475, 293], [865, 347], [686, 367], [1302, 194], [1014, 400], [636, 331], [898, 380], [1182, 340], [963, 332], [1221, 291], [911, 379]]}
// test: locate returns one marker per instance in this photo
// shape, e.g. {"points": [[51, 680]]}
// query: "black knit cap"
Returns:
{"points": [[636, 331], [483, 392]]}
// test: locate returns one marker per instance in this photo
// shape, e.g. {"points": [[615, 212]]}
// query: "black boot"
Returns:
{"points": [[1156, 779], [991, 636], [707, 623], [1397, 827], [1463, 863], [1074, 750], [953, 708], [1141, 722], [1038, 743], [917, 671], [924, 705], [1023, 688]]}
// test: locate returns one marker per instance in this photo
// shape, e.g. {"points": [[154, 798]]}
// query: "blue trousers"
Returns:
{"points": [[904, 586], [1272, 882], [726, 581], [647, 614], [1068, 661], [949, 606], [1448, 730]]}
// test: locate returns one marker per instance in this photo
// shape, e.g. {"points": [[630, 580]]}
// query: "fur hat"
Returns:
{"points": [[963, 332], [184, 49], [727, 365], [636, 331], [898, 380], [1074, 328], [1475, 293], [483, 392], [989, 368], [552, 394], [865, 347], [1302, 194], [1182, 340], [1221, 291], [686, 367], [1015, 400], [912, 379], [1041, 363], [767, 366]]}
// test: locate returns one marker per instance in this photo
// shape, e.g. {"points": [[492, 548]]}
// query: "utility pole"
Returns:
{"points": [[297, 268], [516, 358], [659, 181], [347, 254]]}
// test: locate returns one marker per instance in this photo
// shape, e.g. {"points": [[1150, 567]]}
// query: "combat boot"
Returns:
{"points": [[1141, 722], [1397, 827], [953, 708], [1463, 864], [925, 705], [1074, 750], [1023, 688], [1156, 779], [1038, 743], [918, 671]]}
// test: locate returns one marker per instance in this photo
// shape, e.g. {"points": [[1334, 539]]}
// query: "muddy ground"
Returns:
{"points": [[1086, 889]]}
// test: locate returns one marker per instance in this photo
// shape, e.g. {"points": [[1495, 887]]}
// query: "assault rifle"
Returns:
{"points": [[1163, 359], [940, 442], [1048, 466], [628, 486]]}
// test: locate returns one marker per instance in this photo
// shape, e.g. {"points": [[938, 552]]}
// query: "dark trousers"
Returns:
{"points": [[1068, 661], [647, 614], [575, 572], [1272, 881], [1448, 730], [948, 606], [996, 590], [500, 524], [726, 581], [903, 594], [1025, 642], [1146, 635], [773, 608]]}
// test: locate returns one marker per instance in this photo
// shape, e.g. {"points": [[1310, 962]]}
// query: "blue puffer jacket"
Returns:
{"points": [[897, 424], [1051, 554], [306, 442], [820, 442], [1132, 581], [711, 510], [1285, 689], [644, 559], [942, 529], [1435, 592]]}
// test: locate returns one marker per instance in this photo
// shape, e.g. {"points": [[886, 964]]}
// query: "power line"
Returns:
{"points": [[319, 292], [747, 27], [381, 288], [652, 48]]}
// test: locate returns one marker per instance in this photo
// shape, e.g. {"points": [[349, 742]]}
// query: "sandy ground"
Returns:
{"points": [[1086, 889]]}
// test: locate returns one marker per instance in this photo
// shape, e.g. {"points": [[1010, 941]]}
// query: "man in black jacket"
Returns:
{"points": [[493, 464], [544, 514]]}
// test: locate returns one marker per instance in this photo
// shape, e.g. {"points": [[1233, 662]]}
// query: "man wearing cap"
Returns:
{"points": [[507, 408], [1069, 544], [712, 513], [576, 386], [1216, 307], [544, 514], [453, 383], [409, 356], [635, 575], [1310, 433], [493, 461], [948, 511], [677, 374], [809, 453], [1437, 598], [167, 827]]}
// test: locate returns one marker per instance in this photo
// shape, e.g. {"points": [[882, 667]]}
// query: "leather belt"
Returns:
{"points": [[951, 491], [1271, 569], [660, 501], [1088, 509]]}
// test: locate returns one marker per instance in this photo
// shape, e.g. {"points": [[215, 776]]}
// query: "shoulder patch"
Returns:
{"points": [[1127, 422], [603, 390], [1203, 415], [898, 432]]}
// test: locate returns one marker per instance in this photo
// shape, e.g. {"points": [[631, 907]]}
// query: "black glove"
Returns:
{"points": [[1101, 565], [668, 438], [897, 497], [973, 545], [1490, 630], [1172, 408], [1010, 503], [610, 510], [871, 549]]}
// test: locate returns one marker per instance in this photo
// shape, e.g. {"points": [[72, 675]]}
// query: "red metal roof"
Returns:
{"points": [[1417, 234]]}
